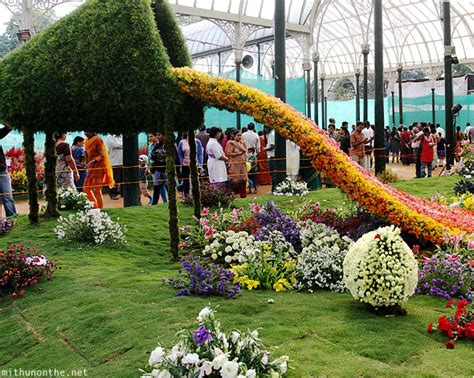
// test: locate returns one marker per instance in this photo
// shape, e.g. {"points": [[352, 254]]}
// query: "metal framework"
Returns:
{"points": [[335, 30]]}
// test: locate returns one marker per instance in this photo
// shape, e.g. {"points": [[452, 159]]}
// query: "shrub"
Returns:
{"points": [[270, 267], [210, 352], [290, 187], [213, 196], [73, 200], [20, 267], [464, 186], [388, 177], [319, 265], [91, 226], [380, 269], [200, 278], [6, 225], [446, 275]]}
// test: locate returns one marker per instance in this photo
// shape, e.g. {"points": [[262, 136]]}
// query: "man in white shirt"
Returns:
{"points": [[115, 147], [251, 139], [469, 132], [369, 137], [271, 151], [440, 130]]}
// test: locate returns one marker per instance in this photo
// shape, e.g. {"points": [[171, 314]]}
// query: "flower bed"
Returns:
{"points": [[73, 200], [17, 169], [289, 187], [412, 214], [6, 225], [210, 352], [21, 267], [92, 226]]}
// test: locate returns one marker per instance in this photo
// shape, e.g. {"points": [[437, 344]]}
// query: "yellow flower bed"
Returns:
{"points": [[412, 214]]}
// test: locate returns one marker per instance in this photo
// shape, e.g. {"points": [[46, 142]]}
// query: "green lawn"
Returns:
{"points": [[107, 308]]}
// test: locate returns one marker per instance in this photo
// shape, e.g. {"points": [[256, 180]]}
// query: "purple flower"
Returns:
{"points": [[202, 335]]}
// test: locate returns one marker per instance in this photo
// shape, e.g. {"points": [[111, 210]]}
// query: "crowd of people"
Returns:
{"points": [[240, 160]]}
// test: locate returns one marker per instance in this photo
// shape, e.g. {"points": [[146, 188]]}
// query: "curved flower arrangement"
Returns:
{"points": [[412, 214]]}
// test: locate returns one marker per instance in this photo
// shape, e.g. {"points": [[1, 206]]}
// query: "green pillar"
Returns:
{"points": [[379, 89]]}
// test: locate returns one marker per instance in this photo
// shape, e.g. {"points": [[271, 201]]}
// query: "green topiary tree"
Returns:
{"points": [[191, 112], [103, 68]]}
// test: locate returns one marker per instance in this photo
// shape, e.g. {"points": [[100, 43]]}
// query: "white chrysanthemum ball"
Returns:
{"points": [[380, 269]]}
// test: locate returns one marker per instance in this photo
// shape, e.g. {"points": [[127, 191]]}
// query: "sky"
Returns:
{"points": [[60, 10]]}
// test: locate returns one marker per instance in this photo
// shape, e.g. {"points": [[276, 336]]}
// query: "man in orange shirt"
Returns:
{"points": [[99, 169], [358, 140]]}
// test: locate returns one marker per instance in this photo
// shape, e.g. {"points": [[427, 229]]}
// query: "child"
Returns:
{"points": [[252, 172], [143, 177]]}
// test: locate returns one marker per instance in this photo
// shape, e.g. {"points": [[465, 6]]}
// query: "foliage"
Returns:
{"points": [[388, 176], [352, 223], [446, 275], [465, 166], [91, 226], [464, 201], [230, 246], [6, 225], [319, 265], [95, 69], [201, 278], [270, 267], [213, 196], [209, 352], [73, 200], [20, 267], [271, 219], [464, 186], [459, 326], [289, 187], [380, 269]]}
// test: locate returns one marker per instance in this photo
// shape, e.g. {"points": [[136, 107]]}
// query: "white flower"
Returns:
{"points": [[254, 334], [191, 359], [228, 259], [205, 369], [230, 369], [164, 374], [156, 356], [283, 367], [219, 361], [251, 373], [234, 336], [265, 358], [204, 314], [214, 256]]}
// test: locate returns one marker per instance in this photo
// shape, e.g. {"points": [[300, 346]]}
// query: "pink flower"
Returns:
{"points": [[204, 212], [214, 216], [203, 221], [256, 207], [208, 231], [470, 244]]}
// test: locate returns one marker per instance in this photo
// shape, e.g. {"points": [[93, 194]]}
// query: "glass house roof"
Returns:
{"points": [[335, 30]]}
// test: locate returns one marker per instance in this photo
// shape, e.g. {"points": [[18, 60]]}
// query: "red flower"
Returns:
{"points": [[377, 236], [449, 304], [462, 303], [443, 324], [449, 344], [450, 333], [415, 249], [430, 328]]}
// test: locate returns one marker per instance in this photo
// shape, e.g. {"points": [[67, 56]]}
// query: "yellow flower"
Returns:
{"points": [[281, 285], [251, 284]]}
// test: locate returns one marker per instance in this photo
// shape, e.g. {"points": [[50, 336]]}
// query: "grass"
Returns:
{"points": [[107, 308]]}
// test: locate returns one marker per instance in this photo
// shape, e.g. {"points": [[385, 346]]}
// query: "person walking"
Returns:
{"points": [[216, 162], [263, 169], [251, 138], [345, 138], [79, 156], [427, 142], [157, 163], [237, 153], [184, 155], [66, 170], [99, 172], [6, 196], [115, 146], [396, 144], [358, 141]]}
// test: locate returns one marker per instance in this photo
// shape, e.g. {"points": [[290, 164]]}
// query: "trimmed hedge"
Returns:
{"points": [[103, 68]]}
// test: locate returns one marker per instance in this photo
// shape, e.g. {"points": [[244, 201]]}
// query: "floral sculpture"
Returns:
{"points": [[380, 270], [410, 213]]}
